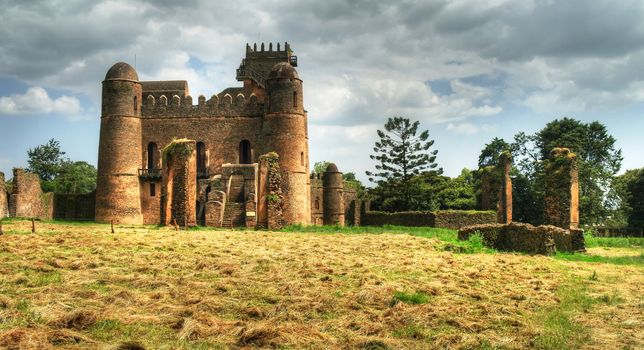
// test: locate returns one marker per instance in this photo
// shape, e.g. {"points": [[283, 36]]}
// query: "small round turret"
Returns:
{"points": [[119, 153], [333, 196], [121, 71], [284, 89]]}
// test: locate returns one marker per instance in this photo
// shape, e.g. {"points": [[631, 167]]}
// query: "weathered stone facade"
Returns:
{"points": [[4, 198], [345, 202], [233, 127], [179, 189], [26, 196], [562, 189], [526, 238]]}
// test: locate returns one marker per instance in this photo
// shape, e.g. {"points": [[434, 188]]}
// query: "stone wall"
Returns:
{"points": [[270, 197], [26, 197], [526, 238], [74, 207], [452, 219], [4, 198]]}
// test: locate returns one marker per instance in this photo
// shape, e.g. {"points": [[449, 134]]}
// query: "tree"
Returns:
{"points": [[401, 154], [46, 160], [629, 189], [75, 178], [320, 167], [490, 154], [598, 161]]}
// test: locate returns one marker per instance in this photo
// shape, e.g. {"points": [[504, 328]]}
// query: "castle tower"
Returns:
{"points": [[333, 196], [119, 150], [284, 131]]}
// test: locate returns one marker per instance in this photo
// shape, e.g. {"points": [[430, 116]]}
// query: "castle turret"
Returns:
{"points": [[119, 153], [333, 196], [285, 132]]}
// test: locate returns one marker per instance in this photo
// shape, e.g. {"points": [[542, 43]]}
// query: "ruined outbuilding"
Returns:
{"points": [[227, 133]]}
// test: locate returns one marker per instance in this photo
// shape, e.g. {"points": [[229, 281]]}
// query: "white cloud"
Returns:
{"points": [[37, 101], [466, 128]]}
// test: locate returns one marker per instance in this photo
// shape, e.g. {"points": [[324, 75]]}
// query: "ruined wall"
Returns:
{"points": [[561, 189], [74, 207], [452, 219], [270, 210], [317, 201], [151, 201], [179, 190], [26, 198], [4, 198], [526, 238]]}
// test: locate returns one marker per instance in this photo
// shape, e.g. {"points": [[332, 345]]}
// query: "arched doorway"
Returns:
{"points": [[245, 156]]}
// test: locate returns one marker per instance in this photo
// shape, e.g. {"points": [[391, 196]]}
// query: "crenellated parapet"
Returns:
{"points": [[222, 105]]}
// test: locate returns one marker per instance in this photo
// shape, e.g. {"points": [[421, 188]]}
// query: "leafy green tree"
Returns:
{"points": [[320, 167], [46, 160], [598, 159], [490, 154], [401, 153], [629, 188], [76, 178]]}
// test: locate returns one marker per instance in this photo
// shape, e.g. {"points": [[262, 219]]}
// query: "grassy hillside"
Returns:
{"points": [[78, 286]]}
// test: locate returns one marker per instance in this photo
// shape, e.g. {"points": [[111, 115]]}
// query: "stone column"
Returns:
{"points": [[4, 198], [504, 207], [562, 189], [179, 189]]}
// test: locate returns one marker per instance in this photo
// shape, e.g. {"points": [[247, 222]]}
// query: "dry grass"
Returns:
{"points": [[81, 287]]}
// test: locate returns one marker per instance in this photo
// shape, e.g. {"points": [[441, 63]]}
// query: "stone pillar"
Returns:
{"points": [[333, 202], [504, 206], [270, 204], [26, 198], [562, 189], [4, 198], [179, 188], [215, 208]]}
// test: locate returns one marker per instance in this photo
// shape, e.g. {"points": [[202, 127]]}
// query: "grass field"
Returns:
{"points": [[78, 286]]}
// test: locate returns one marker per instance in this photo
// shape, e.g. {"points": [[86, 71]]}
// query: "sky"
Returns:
{"points": [[468, 70]]}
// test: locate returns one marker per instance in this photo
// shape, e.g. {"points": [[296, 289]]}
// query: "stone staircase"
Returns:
{"points": [[234, 215], [234, 212]]}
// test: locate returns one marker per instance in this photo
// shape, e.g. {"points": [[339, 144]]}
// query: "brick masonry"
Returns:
{"points": [[234, 126], [4, 198]]}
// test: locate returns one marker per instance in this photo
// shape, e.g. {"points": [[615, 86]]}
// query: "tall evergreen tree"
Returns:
{"points": [[401, 153]]}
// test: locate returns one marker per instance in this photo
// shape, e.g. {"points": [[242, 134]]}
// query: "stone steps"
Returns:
{"points": [[234, 215]]}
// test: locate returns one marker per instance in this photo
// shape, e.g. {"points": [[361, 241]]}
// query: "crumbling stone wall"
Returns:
{"points": [[74, 207], [26, 197], [352, 206], [452, 219], [526, 238], [179, 190], [215, 208], [270, 203], [4, 198], [562, 189]]}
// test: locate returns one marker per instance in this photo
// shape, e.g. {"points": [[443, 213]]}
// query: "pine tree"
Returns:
{"points": [[402, 153]]}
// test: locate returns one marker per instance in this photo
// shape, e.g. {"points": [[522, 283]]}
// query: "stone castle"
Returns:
{"points": [[220, 180]]}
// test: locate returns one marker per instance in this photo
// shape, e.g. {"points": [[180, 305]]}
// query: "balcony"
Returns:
{"points": [[150, 174]]}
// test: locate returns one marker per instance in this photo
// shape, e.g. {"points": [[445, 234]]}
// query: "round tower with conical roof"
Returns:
{"points": [[119, 152], [284, 131], [333, 196]]}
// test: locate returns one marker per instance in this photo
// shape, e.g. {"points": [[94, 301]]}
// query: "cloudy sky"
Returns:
{"points": [[468, 70]]}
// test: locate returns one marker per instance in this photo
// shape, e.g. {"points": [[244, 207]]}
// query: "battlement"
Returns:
{"points": [[220, 105], [254, 52]]}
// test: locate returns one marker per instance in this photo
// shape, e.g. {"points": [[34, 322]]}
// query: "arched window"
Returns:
{"points": [[317, 203], [294, 98], [201, 157], [245, 152], [152, 155], [135, 104], [302, 158]]}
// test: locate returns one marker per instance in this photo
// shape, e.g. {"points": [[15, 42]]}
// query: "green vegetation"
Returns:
{"points": [[409, 298]]}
